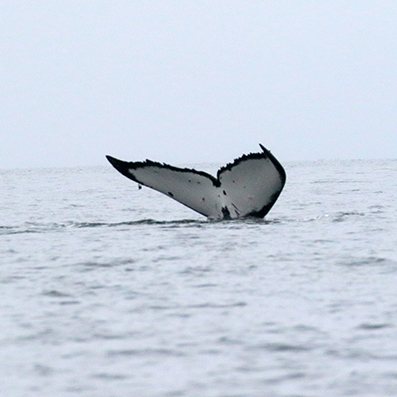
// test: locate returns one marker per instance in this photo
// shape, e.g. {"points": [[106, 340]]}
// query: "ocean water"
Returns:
{"points": [[107, 290]]}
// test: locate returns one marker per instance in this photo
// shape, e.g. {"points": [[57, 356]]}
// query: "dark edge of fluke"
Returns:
{"points": [[276, 163], [124, 166]]}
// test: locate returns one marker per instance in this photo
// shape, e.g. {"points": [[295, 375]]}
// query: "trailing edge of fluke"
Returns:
{"points": [[248, 187]]}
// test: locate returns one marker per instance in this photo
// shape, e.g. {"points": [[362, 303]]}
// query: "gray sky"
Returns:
{"points": [[196, 81]]}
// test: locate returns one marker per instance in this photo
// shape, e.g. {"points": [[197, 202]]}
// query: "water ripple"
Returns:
{"points": [[369, 261], [281, 347], [37, 227], [367, 326], [146, 352]]}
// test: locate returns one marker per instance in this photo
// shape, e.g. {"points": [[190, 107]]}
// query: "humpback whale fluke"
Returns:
{"points": [[248, 187]]}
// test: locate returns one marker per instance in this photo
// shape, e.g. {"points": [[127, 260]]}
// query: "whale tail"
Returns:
{"points": [[248, 187]]}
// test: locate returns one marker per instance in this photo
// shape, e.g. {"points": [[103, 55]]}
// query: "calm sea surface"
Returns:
{"points": [[107, 290]]}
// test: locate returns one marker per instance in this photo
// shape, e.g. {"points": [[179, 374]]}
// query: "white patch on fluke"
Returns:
{"points": [[248, 187]]}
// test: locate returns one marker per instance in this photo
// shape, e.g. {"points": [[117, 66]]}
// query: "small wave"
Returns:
{"points": [[362, 354], [15, 230], [56, 294], [368, 261], [150, 352], [216, 305], [342, 216], [37, 227], [138, 222], [337, 217], [282, 347], [109, 377], [374, 326], [351, 213], [91, 265]]}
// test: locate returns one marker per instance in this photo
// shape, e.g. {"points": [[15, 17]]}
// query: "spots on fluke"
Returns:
{"points": [[226, 212], [236, 210], [224, 193]]}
